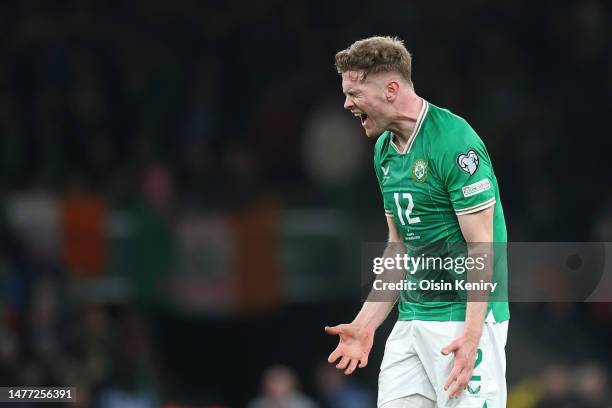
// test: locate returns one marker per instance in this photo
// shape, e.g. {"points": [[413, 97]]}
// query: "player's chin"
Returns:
{"points": [[371, 133]]}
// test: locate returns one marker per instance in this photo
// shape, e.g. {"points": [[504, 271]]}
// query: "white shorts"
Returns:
{"points": [[413, 364]]}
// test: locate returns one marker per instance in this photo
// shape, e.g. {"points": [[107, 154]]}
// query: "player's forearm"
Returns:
{"points": [[474, 319], [477, 229], [380, 303], [372, 314], [477, 303]]}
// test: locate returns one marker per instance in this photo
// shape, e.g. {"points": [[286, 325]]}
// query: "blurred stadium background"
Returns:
{"points": [[184, 199]]}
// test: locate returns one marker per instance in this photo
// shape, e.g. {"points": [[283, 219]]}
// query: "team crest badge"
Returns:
{"points": [[468, 162], [419, 170]]}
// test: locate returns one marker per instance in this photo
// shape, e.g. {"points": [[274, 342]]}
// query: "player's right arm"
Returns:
{"points": [[377, 307], [357, 337]]}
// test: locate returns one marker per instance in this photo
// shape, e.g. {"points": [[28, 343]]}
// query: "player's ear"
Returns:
{"points": [[391, 90]]}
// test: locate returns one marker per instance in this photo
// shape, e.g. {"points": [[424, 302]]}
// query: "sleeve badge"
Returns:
{"points": [[468, 162]]}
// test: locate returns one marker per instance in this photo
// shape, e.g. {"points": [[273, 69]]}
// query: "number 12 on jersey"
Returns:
{"points": [[409, 207]]}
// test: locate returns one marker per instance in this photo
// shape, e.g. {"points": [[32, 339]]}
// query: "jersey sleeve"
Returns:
{"points": [[379, 173], [465, 169]]}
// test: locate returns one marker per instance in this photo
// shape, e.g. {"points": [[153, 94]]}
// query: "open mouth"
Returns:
{"points": [[362, 117]]}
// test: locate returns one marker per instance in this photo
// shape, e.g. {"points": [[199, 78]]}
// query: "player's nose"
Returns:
{"points": [[348, 103]]}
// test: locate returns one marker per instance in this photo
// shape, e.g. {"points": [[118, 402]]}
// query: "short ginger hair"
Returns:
{"points": [[376, 54]]}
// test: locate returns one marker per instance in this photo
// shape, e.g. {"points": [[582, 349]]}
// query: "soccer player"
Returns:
{"points": [[438, 186]]}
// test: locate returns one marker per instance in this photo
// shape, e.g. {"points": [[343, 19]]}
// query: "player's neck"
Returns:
{"points": [[406, 120]]}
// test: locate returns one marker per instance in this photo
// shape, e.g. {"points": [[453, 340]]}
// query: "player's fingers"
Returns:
{"points": [[452, 376], [450, 348], [462, 382], [334, 355], [351, 367], [343, 363], [459, 386], [455, 391], [333, 330], [466, 374], [363, 362]]}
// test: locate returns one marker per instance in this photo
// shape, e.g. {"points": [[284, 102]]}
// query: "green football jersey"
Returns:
{"points": [[444, 171]]}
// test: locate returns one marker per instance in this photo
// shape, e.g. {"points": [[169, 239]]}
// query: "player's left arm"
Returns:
{"points": [[465, 168], [477, 229]]}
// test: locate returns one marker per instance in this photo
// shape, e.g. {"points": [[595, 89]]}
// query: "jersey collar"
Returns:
{"points": [[415, 131]]}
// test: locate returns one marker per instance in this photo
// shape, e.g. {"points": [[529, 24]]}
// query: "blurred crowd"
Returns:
{"points": [[555, 386], [280, 387], [586, 385], [142, 143], [106, 355], [229, 99]]}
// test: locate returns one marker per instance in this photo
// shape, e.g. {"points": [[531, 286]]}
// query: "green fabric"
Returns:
{"points": [[444, 172]]}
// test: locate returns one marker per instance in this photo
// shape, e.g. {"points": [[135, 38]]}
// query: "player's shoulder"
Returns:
{"points": [[447, 129], [445, 120]]}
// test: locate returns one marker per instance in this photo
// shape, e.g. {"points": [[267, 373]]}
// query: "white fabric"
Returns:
{"points": [[411, 401], [413, 364]]}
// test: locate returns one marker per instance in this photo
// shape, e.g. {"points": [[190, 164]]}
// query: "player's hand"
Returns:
{"points": [[465, 349], [354, 346]]}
